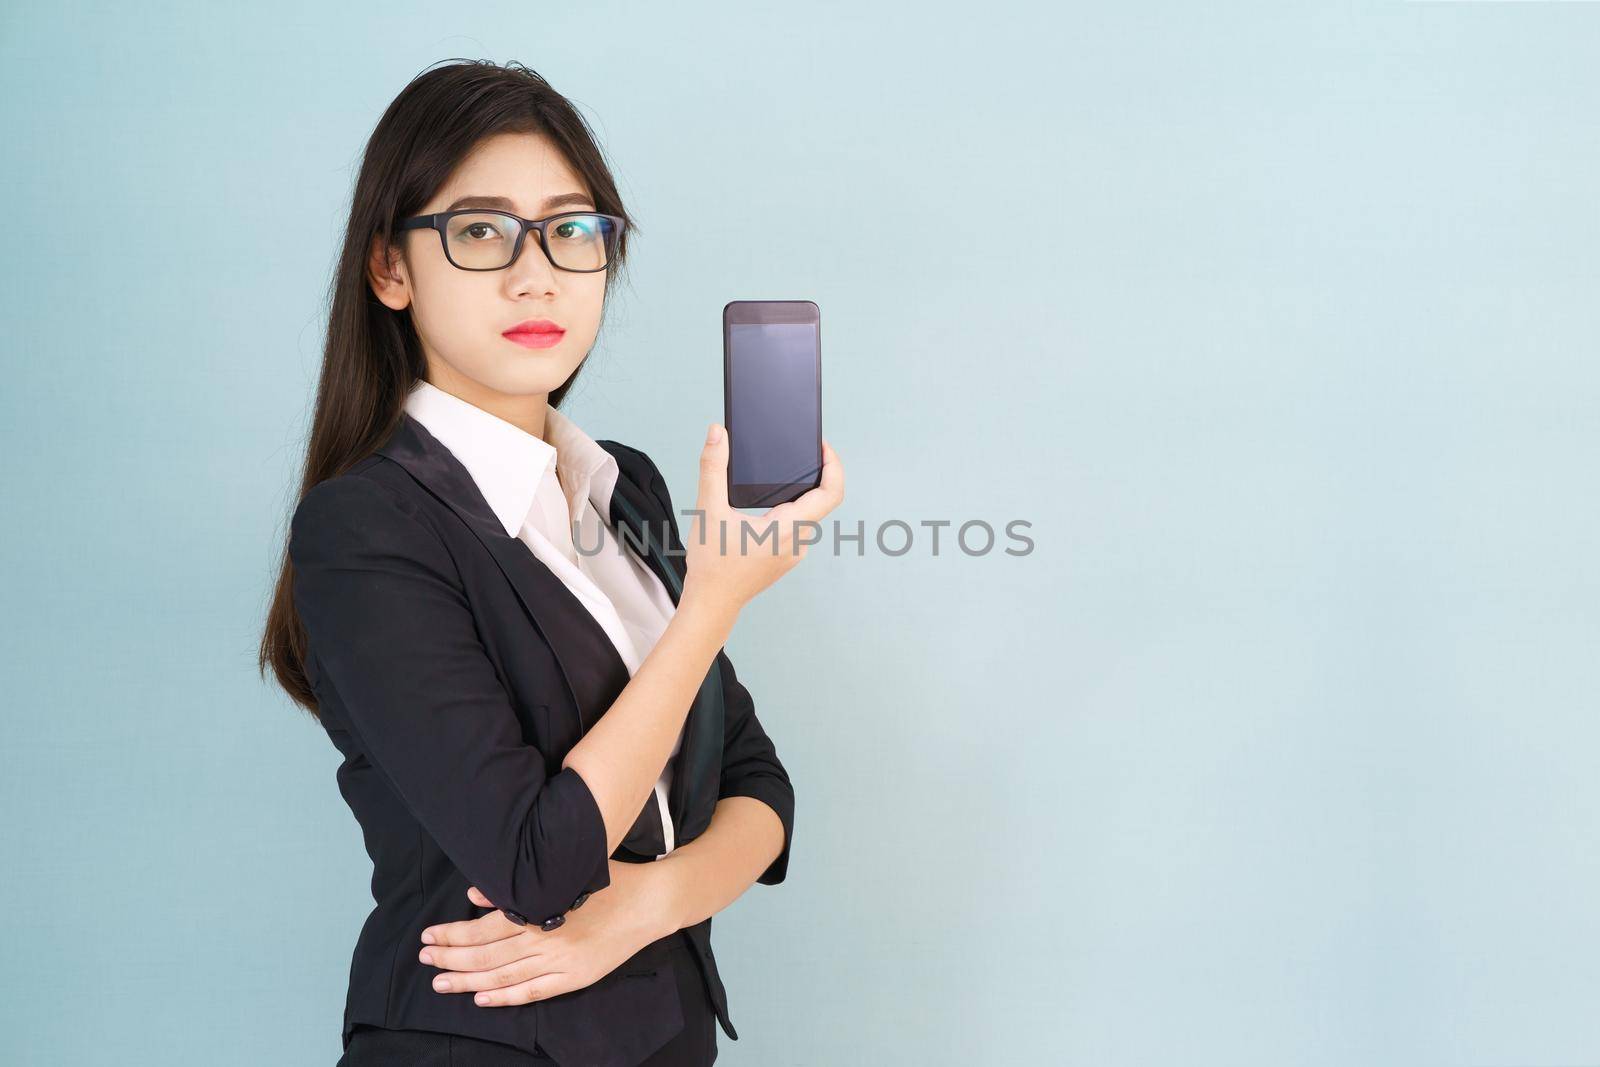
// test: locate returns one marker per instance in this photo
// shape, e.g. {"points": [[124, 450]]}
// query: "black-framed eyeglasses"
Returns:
{"points": [[477, 239]]}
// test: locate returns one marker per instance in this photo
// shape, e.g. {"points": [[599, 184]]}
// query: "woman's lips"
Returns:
{"points": [[535, 338]]}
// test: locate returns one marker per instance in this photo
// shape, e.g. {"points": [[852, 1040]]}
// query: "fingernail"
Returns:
{"points": [[481, 998], [714, 434], [426, 956], [442, 984], [427, 937]]}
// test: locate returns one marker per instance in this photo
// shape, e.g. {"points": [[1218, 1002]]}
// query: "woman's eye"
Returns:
{"points": [[483, 229], [570, 230]]}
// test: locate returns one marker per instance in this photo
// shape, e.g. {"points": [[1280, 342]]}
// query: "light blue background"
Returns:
{"points": [[1277, 322]]}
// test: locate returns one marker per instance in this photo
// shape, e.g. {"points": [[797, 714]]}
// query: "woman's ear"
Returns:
{"points": [[386, 273]]}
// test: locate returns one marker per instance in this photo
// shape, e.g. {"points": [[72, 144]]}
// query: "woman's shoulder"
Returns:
{"points": [[363, 502], [362, 484]]}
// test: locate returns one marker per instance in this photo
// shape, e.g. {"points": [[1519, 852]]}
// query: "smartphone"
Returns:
{"points": [[772, 399]]}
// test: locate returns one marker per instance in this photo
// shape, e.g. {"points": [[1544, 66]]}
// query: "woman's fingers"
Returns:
{"points": [[480, 931], [814, 503], [505, 975], [540, 988], [829, 491], [714, 472], [508, 986], [832, 471], [500, 953]]}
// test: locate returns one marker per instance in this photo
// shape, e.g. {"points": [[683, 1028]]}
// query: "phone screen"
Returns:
{"points": [[773, 411]]}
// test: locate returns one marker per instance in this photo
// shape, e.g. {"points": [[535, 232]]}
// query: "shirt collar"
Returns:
{"points": [[589, 470], [507, 462]]}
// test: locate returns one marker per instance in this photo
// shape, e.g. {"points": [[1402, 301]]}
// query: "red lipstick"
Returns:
{"points": [[535, 333]]}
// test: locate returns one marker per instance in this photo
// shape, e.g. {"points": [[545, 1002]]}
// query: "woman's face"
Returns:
{"points": [[461, 315]]}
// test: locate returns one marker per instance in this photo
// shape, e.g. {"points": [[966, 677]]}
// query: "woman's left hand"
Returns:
{"points": [[506, 964]]}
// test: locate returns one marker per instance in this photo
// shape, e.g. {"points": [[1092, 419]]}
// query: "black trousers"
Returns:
{"points": [[693, 1046]]}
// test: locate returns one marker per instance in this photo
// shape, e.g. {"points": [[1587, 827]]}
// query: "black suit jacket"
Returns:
{"points": [[454, 671]]}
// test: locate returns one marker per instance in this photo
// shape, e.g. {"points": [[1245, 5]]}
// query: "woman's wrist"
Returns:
{"points": [[712, 607], [654, 899], [667, 903]]}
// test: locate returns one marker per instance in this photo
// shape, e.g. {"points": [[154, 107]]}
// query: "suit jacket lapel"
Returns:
{"points": [[590, 664]]}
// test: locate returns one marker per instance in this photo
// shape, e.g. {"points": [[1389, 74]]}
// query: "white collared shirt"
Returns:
{"points": [[535, 487]]}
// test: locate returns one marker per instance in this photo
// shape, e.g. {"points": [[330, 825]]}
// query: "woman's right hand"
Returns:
{"points": [[726, 562]]}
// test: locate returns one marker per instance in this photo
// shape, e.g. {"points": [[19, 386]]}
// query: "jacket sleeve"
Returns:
{"points": [[750, 764], [395, 645]]}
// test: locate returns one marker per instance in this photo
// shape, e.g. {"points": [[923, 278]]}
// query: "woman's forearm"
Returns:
{"points": [[622, 755], [710, 872]]}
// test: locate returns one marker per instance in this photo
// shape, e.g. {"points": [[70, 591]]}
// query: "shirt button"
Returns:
{"points": [[515, 916]]}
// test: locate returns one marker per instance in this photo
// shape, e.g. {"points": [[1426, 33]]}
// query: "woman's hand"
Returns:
{"points": [[732, 556], [506, 964]]}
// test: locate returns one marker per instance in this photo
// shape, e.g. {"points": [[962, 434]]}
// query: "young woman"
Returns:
{"points": [[558, 775]]}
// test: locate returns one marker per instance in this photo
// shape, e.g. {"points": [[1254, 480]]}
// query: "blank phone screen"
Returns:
{"points": [[772, 379]]}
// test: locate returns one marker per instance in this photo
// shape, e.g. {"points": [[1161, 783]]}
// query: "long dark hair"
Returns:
{"points": [[372, 356]]}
